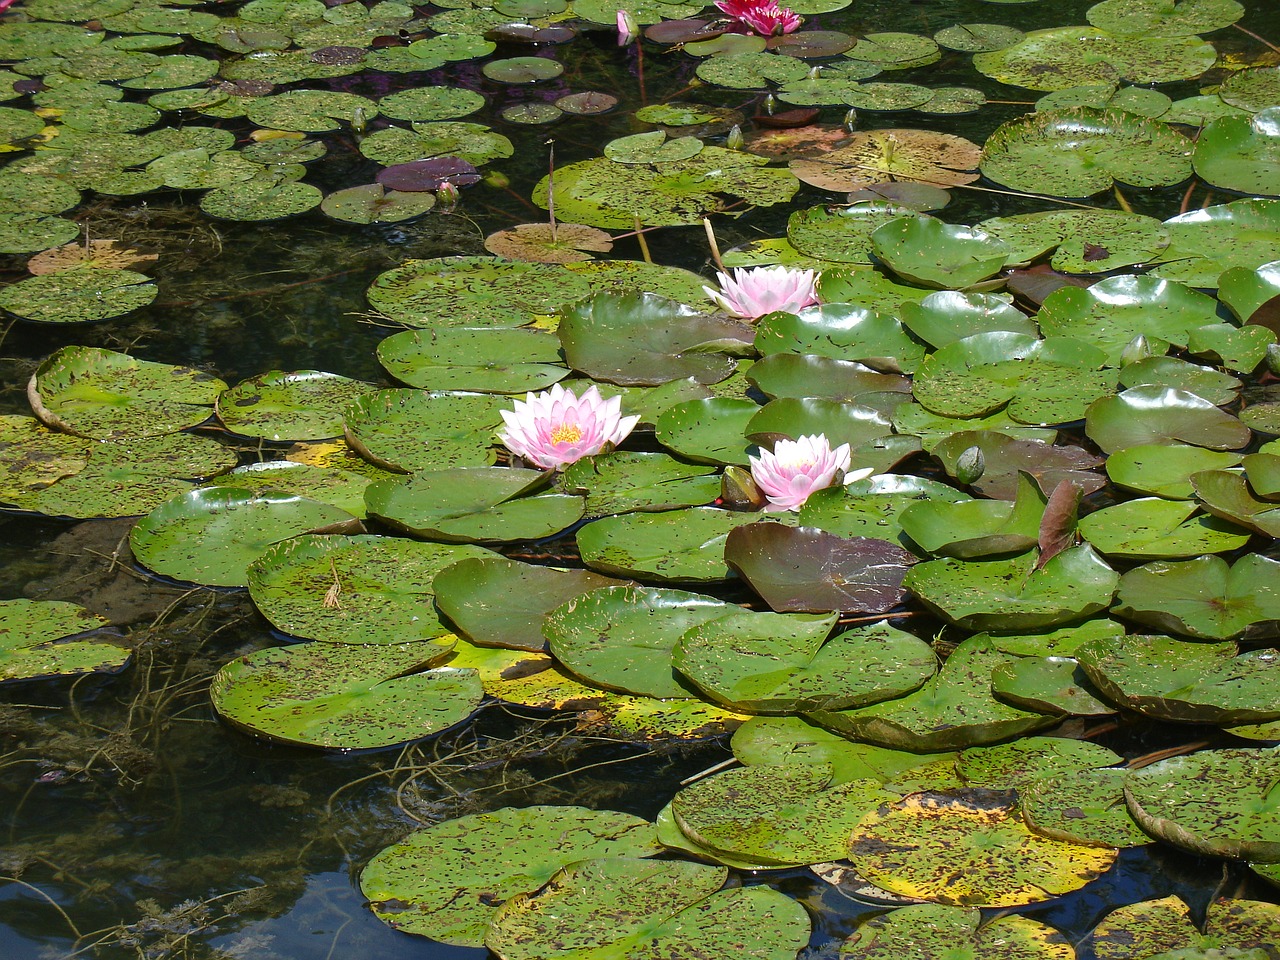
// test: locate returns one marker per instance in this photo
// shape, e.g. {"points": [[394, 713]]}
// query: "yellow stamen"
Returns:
{"points": [[566, 433]]}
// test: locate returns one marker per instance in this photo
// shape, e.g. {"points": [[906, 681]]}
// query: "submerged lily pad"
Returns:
{"points": [[77, 296], [34, 641]]}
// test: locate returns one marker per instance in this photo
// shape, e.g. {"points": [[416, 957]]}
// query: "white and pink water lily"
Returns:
{"points": [[751, 293], [557, 427], [794, 469]]}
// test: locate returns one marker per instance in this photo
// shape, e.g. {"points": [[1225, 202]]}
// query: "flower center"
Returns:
{"points": [[566, 433]]}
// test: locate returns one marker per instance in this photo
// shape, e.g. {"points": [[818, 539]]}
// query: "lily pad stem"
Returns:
{"points": [[711, 241]]}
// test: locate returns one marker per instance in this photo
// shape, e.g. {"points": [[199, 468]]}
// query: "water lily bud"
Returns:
{"points": [[851, 120], [770, 101], [815, 73], [1139, 348], [359, 120], [970, 465], [446, 197], [496, 179], [1273, 358], [738, 490], [735, 140], [628, 28]]}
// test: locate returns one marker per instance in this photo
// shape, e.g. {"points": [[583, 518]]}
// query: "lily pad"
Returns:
{"points": [[954, 932], [1183, 680], [1228, 495], [496, 602], [932, 253], [300, 405], [1015, 594], [1164, 928], [1216, 803], [340, 696], [1077, 152], [418, 430], [642, 338], [1153, 528], [621, 638], [621, 482], [78, 296], [968, 848], [1165, 470], [212, 534], [34, 641], [105, 395], [675, 908], [1087, 807], [677, 546], [1206, 242], [841, 331], [445, 882], [783, 663], [482, 359], [1154, 414], [1241, 153], [954, 709], [473, 504], [883, 156], [1204, 597]]}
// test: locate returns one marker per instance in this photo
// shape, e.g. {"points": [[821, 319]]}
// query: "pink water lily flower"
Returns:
{"points": [[765, 17], [794, 469], [628, 28], [557, 427], [752, 293]]}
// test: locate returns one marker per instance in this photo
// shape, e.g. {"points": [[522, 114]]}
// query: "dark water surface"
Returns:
{"points": [[133, 823]]}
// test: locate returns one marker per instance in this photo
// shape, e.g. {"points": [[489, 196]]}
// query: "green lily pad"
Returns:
{"points": [[1203, 597], [1248, 291], [78, 295], [340, 696], [975, 528], [1213, 385], [947, 315], [1153, 528], [362, 589], [841, 331], [496, 602], [1165, 470], [418, 430], [483, 359], [711, 430], [677, 546], [783, 663], [1206, 242], [310, 111], [954, 932], [471, 291], [424, 104], [1077, 152], [619, 906], [34, 644], [621, 638], [954, 709], [341, 488], [212, 534], [1216, 803], [932, 253], [1015, 594], [821, 571], [1082, 241], [1237, 348], [641, 338], [622, 482], [1114, 311], [750, 70], [840, 423], [473, 504], [601, 193], [1087, 807], [871, 507], [785, 814], [968, 848], [300, 405], [105, 395], [256, 200], [1241, 153], [472, 142], [1162, 415], [842, 234], [778, 740], [445, 882], [1042, 382], [1228, 495], [373, 203], [1155, 18], [805, 375], [1008, 766], [895, 51], [1183, 680], [884, 156]]}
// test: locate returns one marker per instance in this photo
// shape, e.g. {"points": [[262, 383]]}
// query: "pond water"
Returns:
{"points": [[138, 824]]}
